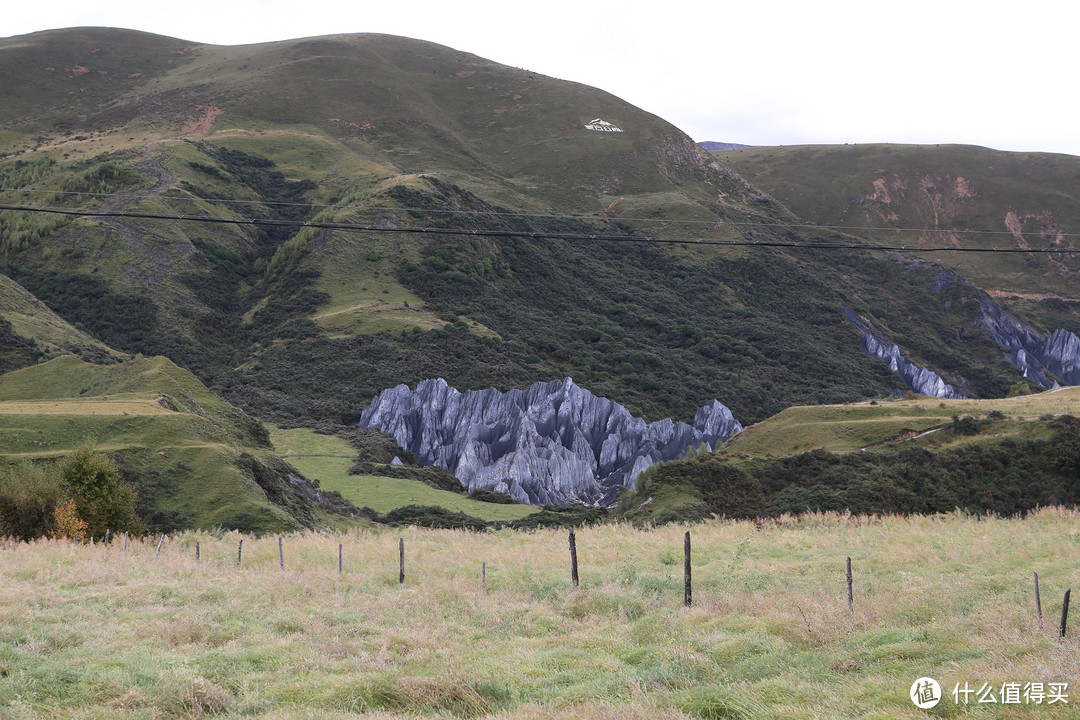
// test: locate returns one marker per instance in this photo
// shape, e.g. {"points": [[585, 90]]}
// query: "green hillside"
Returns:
{"points": [[194, 460], [303, 224], [945, 193], [30, 331], [391, 132], [920, 455]]}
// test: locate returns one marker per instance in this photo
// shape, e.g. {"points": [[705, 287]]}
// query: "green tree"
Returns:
{"points": [[104, 501]]}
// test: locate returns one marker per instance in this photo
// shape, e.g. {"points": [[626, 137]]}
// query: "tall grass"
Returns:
{"points": [[94, 632]]}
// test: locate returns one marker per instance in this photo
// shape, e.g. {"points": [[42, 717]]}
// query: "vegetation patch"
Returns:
{"points": [[1007, 476]]}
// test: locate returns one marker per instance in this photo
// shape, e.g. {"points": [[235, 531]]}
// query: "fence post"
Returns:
{"points": [[850, 594], [281, 552], [196, 552], [401, 561], [1065, 612], [1038, 601], [239, 551], [162, 540], [483, 577], [125, 540], [106, 542], [573, 558], [688, 587], [340, 553]]}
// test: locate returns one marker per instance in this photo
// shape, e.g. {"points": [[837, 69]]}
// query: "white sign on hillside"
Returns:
{"points": [[602, 126]]}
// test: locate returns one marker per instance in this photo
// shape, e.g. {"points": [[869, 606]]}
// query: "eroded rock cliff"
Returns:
{"points": [[552, 443]]}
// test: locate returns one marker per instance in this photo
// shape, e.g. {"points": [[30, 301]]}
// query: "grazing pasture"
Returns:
{"points": [[88, 631]]}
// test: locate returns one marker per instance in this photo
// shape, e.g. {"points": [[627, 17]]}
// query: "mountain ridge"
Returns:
{"points": [[302, 320]]}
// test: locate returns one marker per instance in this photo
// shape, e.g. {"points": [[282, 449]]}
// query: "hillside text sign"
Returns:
{"points": [[601, 126]]}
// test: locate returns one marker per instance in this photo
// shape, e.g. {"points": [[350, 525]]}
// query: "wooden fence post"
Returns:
{"points": [[125, 540], [239, 551], [340, 554], [850, 593], [1038, 601], [573, 559], [483, 577], [1065, 612], [688, 587], [162, 540], [401, 561], [281, 552], [106, 541], [196, 552]]}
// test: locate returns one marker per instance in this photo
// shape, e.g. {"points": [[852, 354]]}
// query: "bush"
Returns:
{"points": [[67, 524], [561, 516], [104, 501], [490, 496], [433, 517], [434, 476], [29, 497], [966, 425], [1020, 388]]}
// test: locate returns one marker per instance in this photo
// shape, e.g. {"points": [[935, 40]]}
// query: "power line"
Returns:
{"points": [[536, 216], [361, 227]]}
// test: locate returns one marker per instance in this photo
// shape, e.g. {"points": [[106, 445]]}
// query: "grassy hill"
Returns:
{"points": [[194, 460], [31, 331], [923, 454], [390, 132], [849, 428], [300, 321], [943, 195]]}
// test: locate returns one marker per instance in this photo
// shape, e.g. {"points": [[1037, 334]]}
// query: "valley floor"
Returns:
{"points": [[95, 632]]}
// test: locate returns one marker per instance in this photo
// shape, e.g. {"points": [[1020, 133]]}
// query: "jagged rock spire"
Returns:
{"points": [[552, 443]]}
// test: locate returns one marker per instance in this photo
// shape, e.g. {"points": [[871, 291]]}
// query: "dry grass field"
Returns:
{"points": [[93, 632]]}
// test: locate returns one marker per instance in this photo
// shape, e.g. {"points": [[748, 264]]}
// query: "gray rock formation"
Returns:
{"points": [[1043, 361], [1034, 356], [920, 379], [550, 444]]}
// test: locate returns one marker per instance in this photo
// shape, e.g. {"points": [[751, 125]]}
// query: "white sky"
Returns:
{"points": [[758, 72]]}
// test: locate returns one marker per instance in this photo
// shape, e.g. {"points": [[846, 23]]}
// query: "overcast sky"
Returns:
{"points": [[758, 72]]}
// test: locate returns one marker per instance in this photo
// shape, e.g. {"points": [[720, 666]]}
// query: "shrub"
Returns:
{"points": [[490, 496], [434, 517], [104, 501], [29, 496], [67, 524], [966, 425], [1020, 388]]}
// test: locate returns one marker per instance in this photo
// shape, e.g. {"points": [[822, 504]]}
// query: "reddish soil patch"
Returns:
{"points": [[205, 121]]}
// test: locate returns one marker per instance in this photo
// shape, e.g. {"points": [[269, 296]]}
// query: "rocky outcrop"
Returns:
{"points": [[1046, 362], [920, 379], [552, 443], [1060, 353], [1038, 359]]}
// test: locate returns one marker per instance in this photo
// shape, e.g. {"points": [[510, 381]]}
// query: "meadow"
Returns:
{"points": [[327, 458], [88, 631]]}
